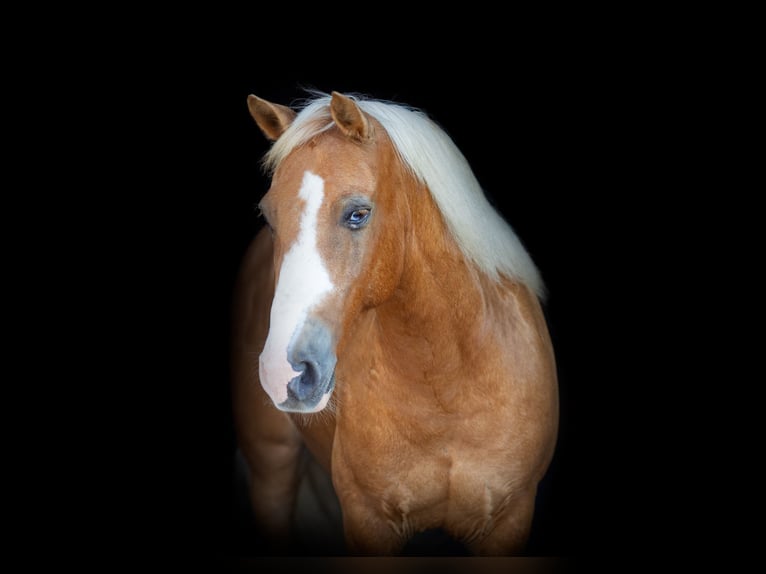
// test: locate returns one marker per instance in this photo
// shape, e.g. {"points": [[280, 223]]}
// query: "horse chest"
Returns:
{"points": [[413, 489]]}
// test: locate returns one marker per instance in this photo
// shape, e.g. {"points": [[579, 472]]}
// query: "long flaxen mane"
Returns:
{"points": [[483, 236]]}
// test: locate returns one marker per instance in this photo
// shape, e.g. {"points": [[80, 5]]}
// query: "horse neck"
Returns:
{"points": [[433, 325]]}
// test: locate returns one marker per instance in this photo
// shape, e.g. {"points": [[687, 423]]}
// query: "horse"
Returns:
{"points": [[389, 322]]}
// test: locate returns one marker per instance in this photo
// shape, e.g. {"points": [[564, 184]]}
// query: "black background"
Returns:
{"points": [[546, 137], [594, 133], [520, 150]]}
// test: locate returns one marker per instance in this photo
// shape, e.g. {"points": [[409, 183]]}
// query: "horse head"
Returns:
{"points": [[337, 237]]}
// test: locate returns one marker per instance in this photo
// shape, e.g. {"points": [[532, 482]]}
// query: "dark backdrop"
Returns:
{"points": [[594, 134], [542, 141]]}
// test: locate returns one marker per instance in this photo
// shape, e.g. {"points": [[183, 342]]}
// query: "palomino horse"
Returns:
{"points": [[389, 321]]}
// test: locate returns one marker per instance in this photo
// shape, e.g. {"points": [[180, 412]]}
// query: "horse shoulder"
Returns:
{"points": [[532, 376]]}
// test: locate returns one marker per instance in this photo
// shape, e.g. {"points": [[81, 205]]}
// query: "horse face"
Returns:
{"points": [[326, 217]]}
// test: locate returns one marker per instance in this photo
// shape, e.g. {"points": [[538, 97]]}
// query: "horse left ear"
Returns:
{"points": [[349, 117], [273, 119]]}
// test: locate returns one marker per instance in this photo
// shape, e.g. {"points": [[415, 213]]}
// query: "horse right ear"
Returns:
{"points": [[273, 119]]}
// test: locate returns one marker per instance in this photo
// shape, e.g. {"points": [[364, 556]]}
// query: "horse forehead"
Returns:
{"points": [[339, 161]]}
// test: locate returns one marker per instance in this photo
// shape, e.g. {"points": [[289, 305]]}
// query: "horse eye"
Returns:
{"points": [[356, 218]]}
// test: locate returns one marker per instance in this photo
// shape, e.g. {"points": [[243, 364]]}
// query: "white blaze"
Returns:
{"points": [[303, 282]]}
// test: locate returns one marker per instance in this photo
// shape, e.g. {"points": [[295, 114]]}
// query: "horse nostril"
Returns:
{"points": [[302, 386]]}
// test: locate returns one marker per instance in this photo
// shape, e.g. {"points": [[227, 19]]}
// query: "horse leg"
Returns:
{"points": [[272, 447], [511, 528], [366, 528], [266, 436], [367, 533]]}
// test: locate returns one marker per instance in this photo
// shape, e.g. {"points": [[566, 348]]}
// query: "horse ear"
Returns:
{"points": [[273, 119], [349, 117]]}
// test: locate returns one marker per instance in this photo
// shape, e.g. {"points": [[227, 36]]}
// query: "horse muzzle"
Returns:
{"points": [[310, 377]]}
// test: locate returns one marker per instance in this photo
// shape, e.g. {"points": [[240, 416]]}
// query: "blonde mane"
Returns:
{"points": [[482, 234]]}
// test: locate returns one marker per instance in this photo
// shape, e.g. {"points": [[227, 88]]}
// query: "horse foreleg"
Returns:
{"points": [[273, 459], [367, 529], [368, 534], [272, 448], [510, 530], [266, 437]]}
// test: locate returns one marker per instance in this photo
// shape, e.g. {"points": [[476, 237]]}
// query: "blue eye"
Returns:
{"points": [[358, 217]]}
